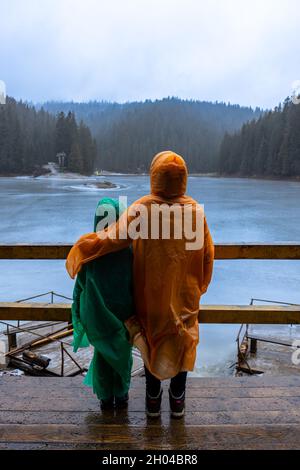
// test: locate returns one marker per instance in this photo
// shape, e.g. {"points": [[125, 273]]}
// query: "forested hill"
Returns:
{"points": [[26, 137], [30, 139], [128, 135], [268, 147]]}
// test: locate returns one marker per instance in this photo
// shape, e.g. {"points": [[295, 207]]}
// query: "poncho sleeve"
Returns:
{"points": [[93, 245], [80, 338], [208, 258]]}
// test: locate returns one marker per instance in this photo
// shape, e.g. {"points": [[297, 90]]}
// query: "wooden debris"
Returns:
{"points": [[35, 359], [31, 369]]}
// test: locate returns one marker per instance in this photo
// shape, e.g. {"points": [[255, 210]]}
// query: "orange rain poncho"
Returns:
{"points": [[168, 279]]}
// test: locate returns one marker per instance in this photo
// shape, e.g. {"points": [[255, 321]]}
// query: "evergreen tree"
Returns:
{"points": [[269, 146], [29, 139], [87, 148], [60, 134], [75, 160]]}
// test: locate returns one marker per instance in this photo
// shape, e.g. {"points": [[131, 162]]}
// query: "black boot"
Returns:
{"points": [[177, 405], [122, 402], [153, 405], [107, 404]]}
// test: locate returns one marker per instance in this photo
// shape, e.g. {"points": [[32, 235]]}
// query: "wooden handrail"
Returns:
{"points": [[222, 251], [235, 314]]}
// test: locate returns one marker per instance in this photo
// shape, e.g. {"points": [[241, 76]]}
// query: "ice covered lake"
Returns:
{"points": [[237, 210]]}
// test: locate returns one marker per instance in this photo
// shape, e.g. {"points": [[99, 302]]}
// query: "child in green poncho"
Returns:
{"points": [[102, 301]]}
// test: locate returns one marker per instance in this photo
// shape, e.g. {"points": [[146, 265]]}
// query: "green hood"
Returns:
{"points": [[113, 212]]}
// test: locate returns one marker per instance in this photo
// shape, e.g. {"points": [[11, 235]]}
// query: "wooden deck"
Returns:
{"points": [[227, 413]]}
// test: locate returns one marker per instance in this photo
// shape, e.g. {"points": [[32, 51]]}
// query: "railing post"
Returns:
{"points": [[253, 345], [12, 341]]}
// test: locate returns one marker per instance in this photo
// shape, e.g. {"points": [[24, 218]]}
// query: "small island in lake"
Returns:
{"points": [[102, 185]]}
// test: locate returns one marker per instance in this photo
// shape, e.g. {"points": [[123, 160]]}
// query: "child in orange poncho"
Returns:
{"points": [[169, 280]]}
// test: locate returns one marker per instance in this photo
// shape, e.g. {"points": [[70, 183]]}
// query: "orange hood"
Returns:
{"points": [[168, 175]]}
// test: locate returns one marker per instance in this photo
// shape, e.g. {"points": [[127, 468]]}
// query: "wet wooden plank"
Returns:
{"points": [[27, 383], [138, 418], [34, 251], [251, 314], [156, 436], [87, 403], [36, 311], [136, 392], [229, 314], [257, 251], [222, 251]]}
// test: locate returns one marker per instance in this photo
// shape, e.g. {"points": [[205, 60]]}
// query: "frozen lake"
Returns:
{"points": [[237, 210]]}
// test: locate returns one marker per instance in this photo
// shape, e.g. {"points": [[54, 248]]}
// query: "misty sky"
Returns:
{"points": [[242, 51]]}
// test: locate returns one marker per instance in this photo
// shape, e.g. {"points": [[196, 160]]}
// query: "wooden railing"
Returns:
{"points": [[222, 251], [262, 314]]}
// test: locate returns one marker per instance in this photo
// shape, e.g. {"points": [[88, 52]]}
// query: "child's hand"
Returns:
{"points": [[133, 326]]}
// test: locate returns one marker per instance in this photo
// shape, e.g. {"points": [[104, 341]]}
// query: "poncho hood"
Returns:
{"points": [[110, 208], [168, 175]]}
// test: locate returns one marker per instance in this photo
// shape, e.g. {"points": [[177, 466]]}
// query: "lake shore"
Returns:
{"points": [[257, 177], [75, 176]]}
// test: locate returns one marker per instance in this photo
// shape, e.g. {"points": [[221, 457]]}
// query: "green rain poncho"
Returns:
{"points": [[102, 301]]}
